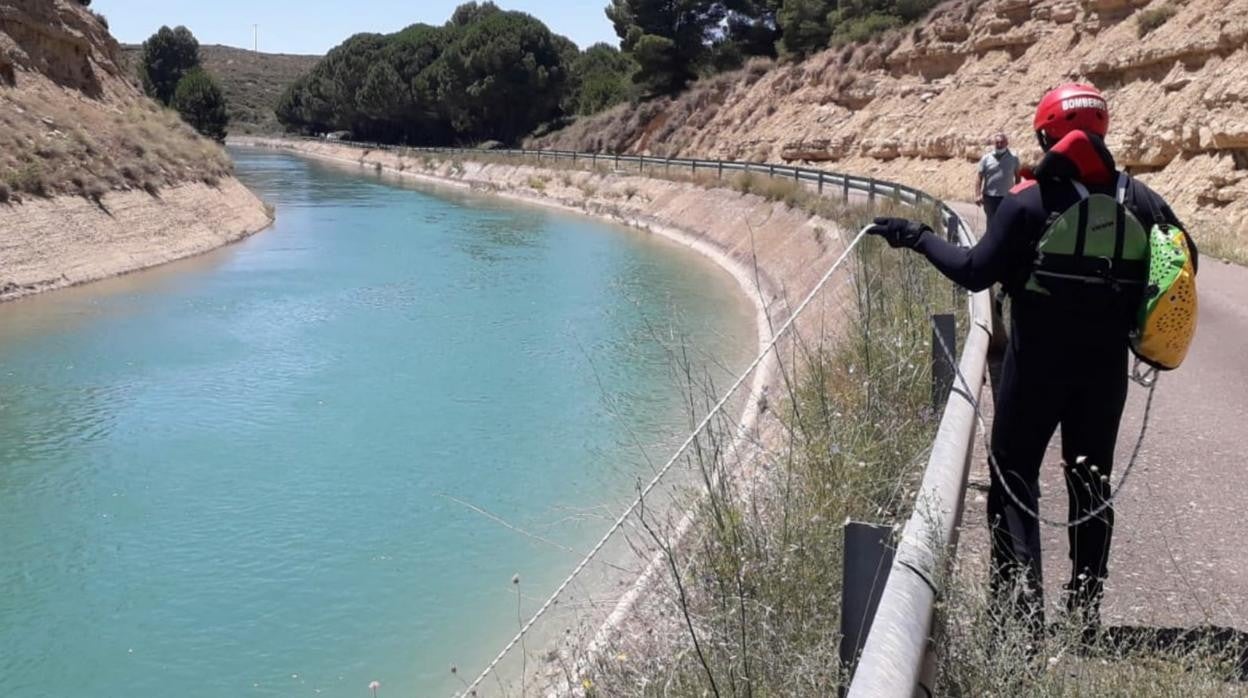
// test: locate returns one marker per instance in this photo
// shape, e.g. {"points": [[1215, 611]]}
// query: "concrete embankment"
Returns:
{"points": [[67, 240]]}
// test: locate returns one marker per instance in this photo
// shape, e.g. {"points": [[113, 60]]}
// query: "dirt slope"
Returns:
{"points": [[918, 106]]}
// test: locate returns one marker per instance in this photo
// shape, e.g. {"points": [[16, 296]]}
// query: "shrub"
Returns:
{"points": [[29, 179], [95, 190], [860, 29], [151, 187], [1154, 18], [199, 100], [5, 193]]}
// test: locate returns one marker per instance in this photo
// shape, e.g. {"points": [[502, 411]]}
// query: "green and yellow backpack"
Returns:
{"points": [[1100, 243]]}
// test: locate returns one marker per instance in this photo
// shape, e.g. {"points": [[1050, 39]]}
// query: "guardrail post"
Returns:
{"points": [[771, 170], [871, 189], [667, 165], [720, 174], [617, 161], [845, 185], [867, 561], [944, 334], [693, 167], [896, 192], [820, 182]]}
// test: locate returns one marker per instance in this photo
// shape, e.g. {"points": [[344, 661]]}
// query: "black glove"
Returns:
{"points": [[899, 232]]}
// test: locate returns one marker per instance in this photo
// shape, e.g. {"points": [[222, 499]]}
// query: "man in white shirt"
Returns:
{"points": [[998, 173]]}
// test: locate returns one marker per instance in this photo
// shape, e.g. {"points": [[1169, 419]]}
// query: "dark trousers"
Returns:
{"points": [[991, 204], [1041, 388]]}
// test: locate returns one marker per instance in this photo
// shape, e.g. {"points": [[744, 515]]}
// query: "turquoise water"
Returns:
{"points": [[226, 477]]}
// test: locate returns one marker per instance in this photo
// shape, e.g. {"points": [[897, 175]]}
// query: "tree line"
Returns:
{"points": [[676, 41], [490, 74], [485, 74]]}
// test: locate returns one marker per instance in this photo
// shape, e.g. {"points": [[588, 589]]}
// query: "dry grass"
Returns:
{"points": [[988, 653], [1153, 18], [60, 145]]}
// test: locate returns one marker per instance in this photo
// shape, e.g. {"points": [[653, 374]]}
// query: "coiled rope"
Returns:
{"points": [[619, 522], [1148, 381]]}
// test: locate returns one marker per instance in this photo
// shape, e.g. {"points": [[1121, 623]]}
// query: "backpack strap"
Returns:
{"points": [[1146, 211], [1081, 228]]}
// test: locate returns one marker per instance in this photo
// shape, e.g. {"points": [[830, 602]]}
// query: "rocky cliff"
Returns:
{"points": [[918, 106], [95, 178]]}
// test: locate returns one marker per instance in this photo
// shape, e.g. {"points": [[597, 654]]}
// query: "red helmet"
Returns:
{"points": [[1068, 108]]}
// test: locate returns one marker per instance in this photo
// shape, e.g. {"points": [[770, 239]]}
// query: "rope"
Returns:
{"points": [[992, 461], [619, 522]]}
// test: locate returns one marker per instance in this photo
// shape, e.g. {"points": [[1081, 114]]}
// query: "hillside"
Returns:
{"points": [[95, 178], [252, 82], [72, 122], [918, 106]]}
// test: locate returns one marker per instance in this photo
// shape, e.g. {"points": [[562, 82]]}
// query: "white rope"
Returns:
{"points": [[723, 401]]}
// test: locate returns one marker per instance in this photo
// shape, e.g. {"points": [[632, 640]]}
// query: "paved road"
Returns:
{"points": [[1180, 555]]}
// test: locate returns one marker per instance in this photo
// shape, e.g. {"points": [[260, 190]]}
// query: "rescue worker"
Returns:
{"points": [[1067, 359]]}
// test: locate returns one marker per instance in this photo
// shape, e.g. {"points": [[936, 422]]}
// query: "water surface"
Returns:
{"points": [[226, 477]]}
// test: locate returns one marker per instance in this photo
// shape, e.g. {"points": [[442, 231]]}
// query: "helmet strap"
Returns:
{"points": [[1046, 143]]}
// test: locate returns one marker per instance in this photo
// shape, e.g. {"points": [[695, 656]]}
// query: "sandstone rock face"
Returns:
{"points": [[919, 106], [57, 41]]}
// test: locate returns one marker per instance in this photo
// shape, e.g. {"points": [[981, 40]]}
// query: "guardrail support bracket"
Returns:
{"points": [[944, 334], [868, 560]]}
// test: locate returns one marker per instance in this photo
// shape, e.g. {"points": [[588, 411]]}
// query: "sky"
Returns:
{"points": [[315, 26]]}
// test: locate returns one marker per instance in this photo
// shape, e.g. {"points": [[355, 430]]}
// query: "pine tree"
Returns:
{"points": [[168, 55], [200, 102], [669, 39]]}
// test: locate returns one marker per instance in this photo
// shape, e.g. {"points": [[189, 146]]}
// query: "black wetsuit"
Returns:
{"points": [[1066, 364]]}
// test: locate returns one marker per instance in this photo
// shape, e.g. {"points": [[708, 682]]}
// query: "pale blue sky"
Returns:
{"points": [[315, 26]]}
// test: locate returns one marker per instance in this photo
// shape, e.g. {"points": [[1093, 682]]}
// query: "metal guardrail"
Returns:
{"points": [[824, 181], [898, 659]]}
